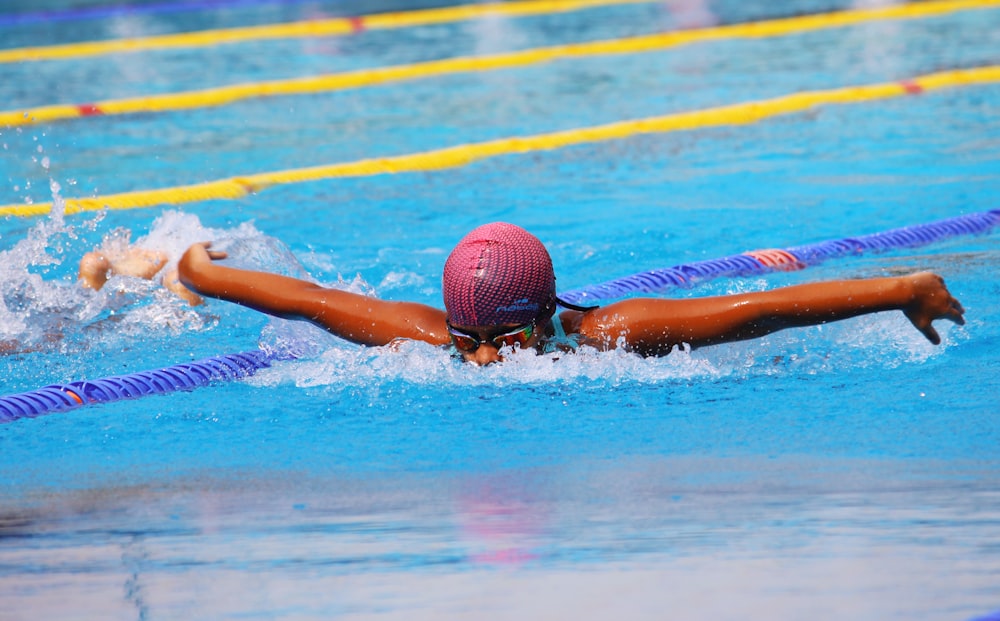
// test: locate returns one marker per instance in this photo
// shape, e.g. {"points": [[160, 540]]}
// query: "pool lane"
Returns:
{"points": [[312, 84], [331, 27], [464, 154]]}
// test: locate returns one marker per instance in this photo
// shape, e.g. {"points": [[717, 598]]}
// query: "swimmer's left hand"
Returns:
{"points": [[931, 300]]}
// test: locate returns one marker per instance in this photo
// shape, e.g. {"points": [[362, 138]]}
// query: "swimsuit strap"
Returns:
{"points": [[557, 327], [558, 341]]}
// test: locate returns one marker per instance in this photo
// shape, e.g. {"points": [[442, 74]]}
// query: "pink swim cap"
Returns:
{"points": [[499, 274]]}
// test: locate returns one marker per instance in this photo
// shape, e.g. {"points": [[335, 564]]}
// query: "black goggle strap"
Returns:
{"points": [[575, 307]]}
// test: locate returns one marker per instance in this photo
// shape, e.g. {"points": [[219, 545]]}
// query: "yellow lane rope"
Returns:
{"points": [[461, 155], [332, 27], [224, 95]]}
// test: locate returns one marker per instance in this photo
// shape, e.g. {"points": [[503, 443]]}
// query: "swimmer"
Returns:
{"points": [[115, 259], [499, 291]]}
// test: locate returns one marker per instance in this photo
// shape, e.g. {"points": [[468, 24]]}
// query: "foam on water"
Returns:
{"points": [[28, 301], [40, 310], [883, 341]]}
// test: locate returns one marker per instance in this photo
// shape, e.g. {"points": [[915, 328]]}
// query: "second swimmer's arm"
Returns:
{"points": [[351, 316]]}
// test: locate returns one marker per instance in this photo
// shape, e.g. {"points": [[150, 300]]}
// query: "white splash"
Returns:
{"points": [[42, 312], [879, 341]]}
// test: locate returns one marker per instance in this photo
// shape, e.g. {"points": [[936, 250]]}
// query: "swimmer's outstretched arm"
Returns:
{"points": [[351, 316], [655, 326]]}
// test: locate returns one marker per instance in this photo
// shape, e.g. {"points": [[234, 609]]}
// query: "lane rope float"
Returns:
{"points": [[788, 259], [326, 83], [329, 27], [233, 367], [743, 113], [186, 376]]}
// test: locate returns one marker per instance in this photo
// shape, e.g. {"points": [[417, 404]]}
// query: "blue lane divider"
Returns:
{"points": [[187, 376], [796, 257]]}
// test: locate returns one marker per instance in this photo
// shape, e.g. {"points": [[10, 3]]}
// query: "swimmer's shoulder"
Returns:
{"points": [[575, 327], [588, 326], [571, 321]]}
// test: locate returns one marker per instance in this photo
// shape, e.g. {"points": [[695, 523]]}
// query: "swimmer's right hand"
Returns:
{"points": [[200, 252], [195, 262], [215, 255]]}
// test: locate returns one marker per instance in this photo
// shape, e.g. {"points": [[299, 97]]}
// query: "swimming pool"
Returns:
{"points": [[847, 471]]}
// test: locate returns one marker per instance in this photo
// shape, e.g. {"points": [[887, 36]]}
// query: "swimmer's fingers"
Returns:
{"points": [[196, 265], [215, 255], [957, 312], [950, 307], [932, 301], [931, 334]]}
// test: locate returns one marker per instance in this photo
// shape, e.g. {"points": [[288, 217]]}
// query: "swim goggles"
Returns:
{"points": [[468, 343]]}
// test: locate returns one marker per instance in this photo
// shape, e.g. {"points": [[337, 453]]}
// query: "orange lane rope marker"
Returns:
{"points": [[463, 155], [225, 95], [74, 396], [776, 258], [331, 27]]}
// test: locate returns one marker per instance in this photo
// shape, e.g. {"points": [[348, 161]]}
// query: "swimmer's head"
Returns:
{"points": [[499, 275]]}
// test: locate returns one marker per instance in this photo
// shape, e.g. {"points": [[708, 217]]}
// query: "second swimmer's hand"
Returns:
{"points": [[931, 300]]}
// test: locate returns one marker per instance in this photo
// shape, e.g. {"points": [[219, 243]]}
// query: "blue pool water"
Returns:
{"points": [[843, 471]]}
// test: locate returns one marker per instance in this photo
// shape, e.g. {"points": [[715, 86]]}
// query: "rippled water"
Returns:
{"points": [[843, 471]]}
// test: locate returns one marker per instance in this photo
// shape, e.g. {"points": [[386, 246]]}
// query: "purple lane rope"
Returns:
{"points": [[186, 376], [794, 258]]}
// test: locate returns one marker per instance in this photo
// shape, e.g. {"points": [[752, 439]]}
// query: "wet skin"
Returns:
{"points": [[646, 326]]}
